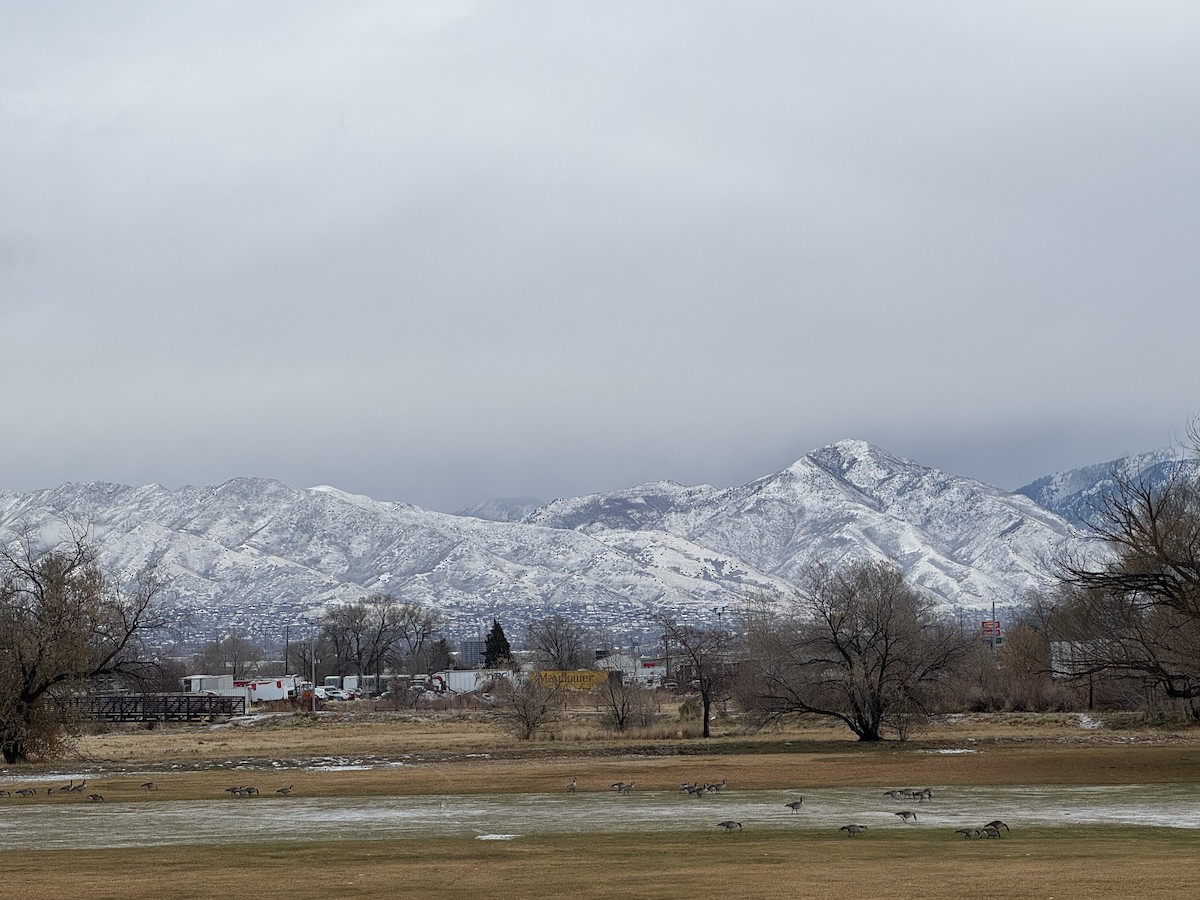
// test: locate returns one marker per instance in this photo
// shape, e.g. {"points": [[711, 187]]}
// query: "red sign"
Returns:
{"points": [[991, 628]]}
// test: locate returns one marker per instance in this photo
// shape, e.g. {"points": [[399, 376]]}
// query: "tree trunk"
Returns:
{"points": [[14, 752], [706, 704]]}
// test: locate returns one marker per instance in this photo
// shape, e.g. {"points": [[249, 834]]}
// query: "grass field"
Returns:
{"points": [[1097, 862], [465, 755]]}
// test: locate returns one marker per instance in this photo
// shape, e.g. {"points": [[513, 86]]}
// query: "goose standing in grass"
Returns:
{"points": [[997, 824], [906, 814], [852, 830], [285, 791], [729, 825], [990, 831], [95, 798], [573, 786], [149, 786], [795, 805], [967, 833]]}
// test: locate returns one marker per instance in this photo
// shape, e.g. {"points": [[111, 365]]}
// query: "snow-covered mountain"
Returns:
{"points": [[257, 554], [962, 540], [1077, 494]]}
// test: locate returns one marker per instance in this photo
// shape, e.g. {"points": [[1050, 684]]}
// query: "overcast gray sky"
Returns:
{"points": [[438, 252]]}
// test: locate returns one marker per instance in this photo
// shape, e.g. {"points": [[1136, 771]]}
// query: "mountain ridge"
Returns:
{"points": [[254, 553]]}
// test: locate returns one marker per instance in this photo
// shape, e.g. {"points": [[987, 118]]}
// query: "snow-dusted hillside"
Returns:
{"points": [[960, 539], [257, 554], [1077, 494]]}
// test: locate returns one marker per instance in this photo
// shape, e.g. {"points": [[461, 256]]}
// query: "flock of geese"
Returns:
{"points": [[241, 790], [907, 816], [70, 788]]}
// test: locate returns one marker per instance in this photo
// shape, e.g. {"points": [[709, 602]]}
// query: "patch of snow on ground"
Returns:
{"points": [[340, 768], [950, 751], [1086, 721]]}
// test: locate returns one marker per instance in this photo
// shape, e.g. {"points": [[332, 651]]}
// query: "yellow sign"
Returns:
{"points": [[575, 679]]}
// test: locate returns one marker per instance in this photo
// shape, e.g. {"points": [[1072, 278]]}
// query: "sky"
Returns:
{"points": [[438, 252]]}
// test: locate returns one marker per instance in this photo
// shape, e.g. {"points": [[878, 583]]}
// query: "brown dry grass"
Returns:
{"points": [[465, 753], [1118, 862]]}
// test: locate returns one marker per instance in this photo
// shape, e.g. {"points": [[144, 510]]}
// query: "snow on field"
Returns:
{"points": [[28, 824]]}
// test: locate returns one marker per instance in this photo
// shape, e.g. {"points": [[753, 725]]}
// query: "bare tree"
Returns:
{"points": [[62, 625], [559, 642], [366, 636], [528, 704], [705, 658], [416, 645], [858, 645], [624, 705], [230, 654], [436, 655], [1137, 614]]}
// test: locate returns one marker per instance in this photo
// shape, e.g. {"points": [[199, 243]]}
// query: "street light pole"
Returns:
{"points": [[312, 651]]}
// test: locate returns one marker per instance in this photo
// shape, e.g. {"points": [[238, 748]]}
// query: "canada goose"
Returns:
{"points": [[27, 792], [719, 786], [795, 805], [967, 833], [285, 790], [729, 825], [69, 786], [78, 789], [95, 798], [852, 830], [893, 794], [149, 786], [906, 814], [4, 793], [619, 786], [924, 794], [250, 790], [997, 824], [990, 831], [233, 790], [907, 794], [573, 786]]}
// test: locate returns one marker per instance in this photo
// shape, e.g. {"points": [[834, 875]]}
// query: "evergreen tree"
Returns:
{"points": [[495, 648]]}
